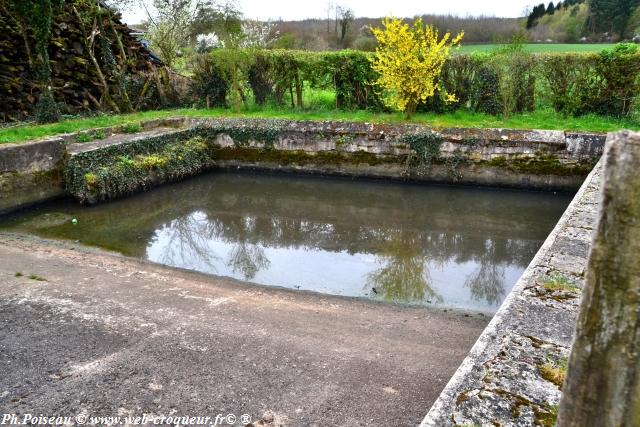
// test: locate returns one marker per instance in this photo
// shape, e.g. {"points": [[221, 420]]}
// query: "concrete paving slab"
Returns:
{"points": [[105, 335]]}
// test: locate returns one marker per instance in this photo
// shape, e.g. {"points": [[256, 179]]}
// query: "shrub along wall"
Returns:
{"points": [[224, 77], [117, 170], [505, 82], [127, 168], [523, 159]]}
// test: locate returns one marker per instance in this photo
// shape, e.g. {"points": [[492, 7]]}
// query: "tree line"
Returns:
{"points": [[612, 17]]}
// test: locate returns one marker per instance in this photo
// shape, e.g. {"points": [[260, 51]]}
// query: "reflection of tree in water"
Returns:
{"points": [[248, 259], [487, 282], [404, 276], [188, 239], [406, 247], [189, 242]]}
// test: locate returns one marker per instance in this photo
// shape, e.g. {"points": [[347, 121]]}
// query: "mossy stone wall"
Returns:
{"points": [[166, 151]]}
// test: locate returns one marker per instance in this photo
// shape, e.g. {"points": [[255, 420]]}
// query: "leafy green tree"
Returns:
{"points": [[612, 15], [537, 13]]}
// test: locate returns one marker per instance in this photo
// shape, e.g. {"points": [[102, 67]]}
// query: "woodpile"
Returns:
{"points": [[90, 69]]}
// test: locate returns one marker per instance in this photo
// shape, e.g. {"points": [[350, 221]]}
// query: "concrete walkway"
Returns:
{"points": [[106, 335]]}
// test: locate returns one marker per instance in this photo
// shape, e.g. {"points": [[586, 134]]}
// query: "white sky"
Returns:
{"points": [[300, 9]]}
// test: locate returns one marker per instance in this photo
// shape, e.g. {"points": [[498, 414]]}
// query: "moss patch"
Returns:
{"points": [[541, 164], [301, 158], [52, 177], [554, 372], [560, 282]]}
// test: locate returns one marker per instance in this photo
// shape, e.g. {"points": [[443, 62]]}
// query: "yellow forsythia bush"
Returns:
{"points": [[409, 61]]}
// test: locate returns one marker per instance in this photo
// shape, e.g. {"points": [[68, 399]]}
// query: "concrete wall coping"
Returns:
{"points": [[500, 381]]}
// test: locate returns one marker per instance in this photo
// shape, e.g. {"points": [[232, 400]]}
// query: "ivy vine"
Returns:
{"points": [[117, 170], [425, 150], [38, 15]]}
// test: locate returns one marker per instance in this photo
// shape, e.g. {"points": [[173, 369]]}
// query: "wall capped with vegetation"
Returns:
{"points": [[113, 168], [104, 164]]}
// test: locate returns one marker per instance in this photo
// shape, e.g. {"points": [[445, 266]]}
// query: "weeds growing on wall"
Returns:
{"points": [[425, 151], [125, 169], [265, 134]]}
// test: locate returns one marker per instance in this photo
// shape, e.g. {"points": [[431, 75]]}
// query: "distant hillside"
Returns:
{"points": [[581, 20], [323, 34], [568, 21]]}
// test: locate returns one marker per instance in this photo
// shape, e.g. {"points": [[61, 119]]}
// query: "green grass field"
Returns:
{"points": [[540, 47], [541, 119]]}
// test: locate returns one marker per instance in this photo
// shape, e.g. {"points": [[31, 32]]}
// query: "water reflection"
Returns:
{"points": [[403, 275], [458, 247], [247, 259]]}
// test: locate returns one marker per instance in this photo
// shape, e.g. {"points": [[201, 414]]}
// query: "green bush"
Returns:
{"points": [[124, 169], [620, 71], [260, 79], [506, 81], [208, 83], [274, 74], [485, 92], [570, 82], [352, 78], [515, 70], [607, 83]]}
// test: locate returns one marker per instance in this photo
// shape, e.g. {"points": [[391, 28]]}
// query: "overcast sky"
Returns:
{"points": [[301, 9]]}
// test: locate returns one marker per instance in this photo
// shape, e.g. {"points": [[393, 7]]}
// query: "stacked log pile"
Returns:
{"points": [[134, 82]]}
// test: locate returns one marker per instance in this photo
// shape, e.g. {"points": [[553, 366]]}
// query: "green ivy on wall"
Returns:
{"points": [[38, 15], [118, 170], [425, 150]]}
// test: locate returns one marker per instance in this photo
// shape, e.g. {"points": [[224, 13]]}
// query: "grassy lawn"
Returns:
{"points": [[542, 119], [541, 47]]}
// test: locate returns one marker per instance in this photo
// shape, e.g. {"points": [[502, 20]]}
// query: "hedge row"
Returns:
{"points": [[505, 82], [223, 77]]}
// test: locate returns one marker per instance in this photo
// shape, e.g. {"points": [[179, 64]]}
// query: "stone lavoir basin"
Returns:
{"points": [[448, 247]]}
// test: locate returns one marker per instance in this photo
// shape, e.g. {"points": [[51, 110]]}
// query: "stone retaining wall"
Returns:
{"points": [[548, 160], [511, 374], [30, 173]]}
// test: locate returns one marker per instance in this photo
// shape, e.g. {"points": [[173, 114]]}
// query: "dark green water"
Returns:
{"points": [[457, 247]]}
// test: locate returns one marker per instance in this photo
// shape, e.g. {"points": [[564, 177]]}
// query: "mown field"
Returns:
{"points": [[542, 47]]}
